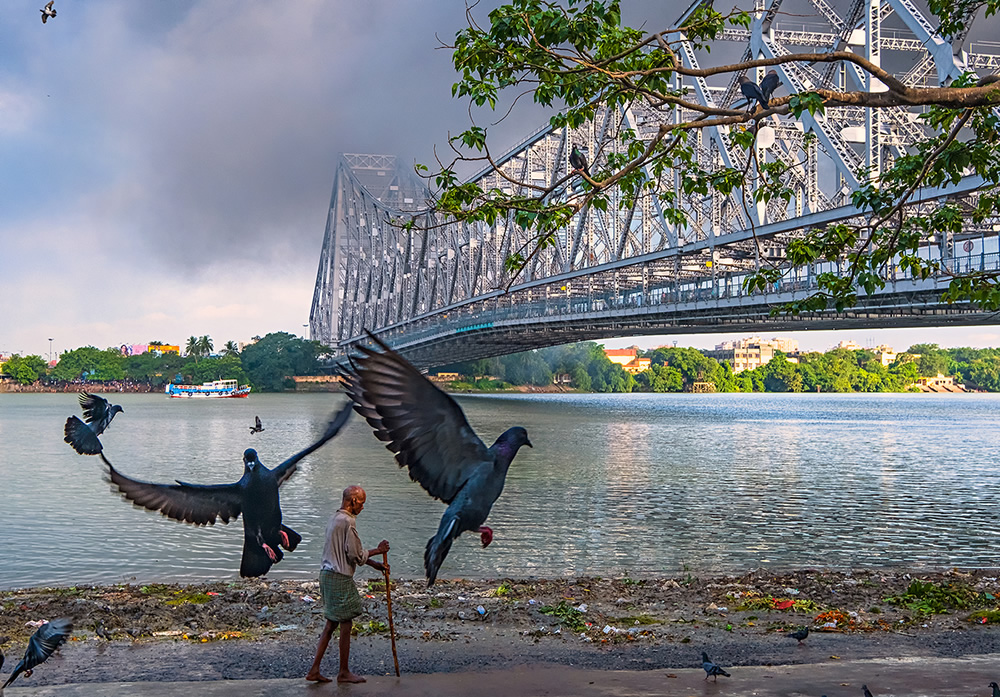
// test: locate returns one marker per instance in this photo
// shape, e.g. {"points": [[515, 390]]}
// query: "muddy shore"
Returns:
{"points": [[268, 629]]}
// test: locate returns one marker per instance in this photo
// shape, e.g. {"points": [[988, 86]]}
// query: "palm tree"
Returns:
{"points": [[193, 348], [205, 345], [231, 349]]}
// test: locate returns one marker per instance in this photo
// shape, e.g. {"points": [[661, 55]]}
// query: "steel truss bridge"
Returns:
{"points": [[441, 294]]}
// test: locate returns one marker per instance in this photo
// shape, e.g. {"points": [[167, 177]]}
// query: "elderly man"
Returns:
{"points": [[342, 554]]}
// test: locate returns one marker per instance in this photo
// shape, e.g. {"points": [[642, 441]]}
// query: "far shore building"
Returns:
{"points": [[753, 352], [628, 359]]}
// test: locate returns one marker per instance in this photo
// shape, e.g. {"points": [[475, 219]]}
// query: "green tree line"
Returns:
{"points": [[267, 365], [678, 369]]}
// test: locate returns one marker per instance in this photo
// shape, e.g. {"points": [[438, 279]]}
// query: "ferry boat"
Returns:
{"points": [[217, 389]]}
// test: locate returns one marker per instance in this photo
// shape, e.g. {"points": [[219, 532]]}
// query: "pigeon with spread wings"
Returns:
{"points": [[257, 427], [255, 496], [432, 439], [97, 412], [42, 644]]}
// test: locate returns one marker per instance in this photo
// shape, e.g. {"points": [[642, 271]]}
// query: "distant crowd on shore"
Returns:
{"points": [[7, 385]]}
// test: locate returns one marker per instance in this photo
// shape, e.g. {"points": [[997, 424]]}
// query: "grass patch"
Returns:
{"points": [[637, 619], [502, 591], [567, 615], [370, 627], [985, 617], [434, 603], [188, 598], [929, 598], [155, 589]]}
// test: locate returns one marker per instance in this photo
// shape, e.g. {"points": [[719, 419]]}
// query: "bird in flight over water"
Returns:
{"points": [[255, 496], [97, 412], [432, 439], [258, 426]]}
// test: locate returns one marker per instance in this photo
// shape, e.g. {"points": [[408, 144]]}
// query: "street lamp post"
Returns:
{"points": [[50, 350]]}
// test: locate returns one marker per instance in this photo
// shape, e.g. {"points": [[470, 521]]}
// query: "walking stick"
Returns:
{"points": [[388, 602]]}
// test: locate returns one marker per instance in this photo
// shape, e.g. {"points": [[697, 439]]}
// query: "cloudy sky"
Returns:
{"points": [[165, 167]]}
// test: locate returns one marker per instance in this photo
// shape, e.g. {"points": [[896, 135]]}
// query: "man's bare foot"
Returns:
{"points": [[348, 676], [317, 677]]}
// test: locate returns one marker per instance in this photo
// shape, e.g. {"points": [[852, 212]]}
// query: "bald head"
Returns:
{"points": [[353, 500]]}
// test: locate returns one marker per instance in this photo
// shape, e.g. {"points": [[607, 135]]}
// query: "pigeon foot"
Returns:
{"points": [[486, 535], [284, 539], [270, 552]]}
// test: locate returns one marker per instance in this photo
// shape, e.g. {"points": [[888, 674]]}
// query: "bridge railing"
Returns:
{"points": [[724, 289]]}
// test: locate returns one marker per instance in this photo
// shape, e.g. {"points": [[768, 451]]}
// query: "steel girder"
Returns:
{"points": [[449, 278]]}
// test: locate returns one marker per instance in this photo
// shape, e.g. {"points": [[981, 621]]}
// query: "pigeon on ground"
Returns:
{"points": [[996, 689], [711, 669], [752, 92], [47, 11], [769, 84], [42, 644], [432, 439], [578, 160], [255, 496], [97, 412], [867, 692], [258, 426], [799, 634]]}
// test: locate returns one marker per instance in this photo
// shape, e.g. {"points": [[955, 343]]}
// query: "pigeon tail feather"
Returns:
{"points": [[81, 437], [255, 561], [438, 546]]}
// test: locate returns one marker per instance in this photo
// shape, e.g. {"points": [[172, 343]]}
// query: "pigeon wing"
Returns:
{"points": [[258, 425], [43, 643], [95, 409], [421, 424], [287, 468], [198, 504]]}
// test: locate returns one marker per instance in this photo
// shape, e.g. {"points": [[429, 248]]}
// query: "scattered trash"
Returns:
{"points": [[836, 658], [171, 632], [481, 610], [582, 607], [461, 598], [791, 591], [308, 599], [532, 602], [213, 593], [608, 629], [284, 628], [783, 604], [558, 630], [828, 625], [35, 623]]}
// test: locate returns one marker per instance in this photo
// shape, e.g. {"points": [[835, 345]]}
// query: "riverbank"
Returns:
{"points": [[267, 629]]}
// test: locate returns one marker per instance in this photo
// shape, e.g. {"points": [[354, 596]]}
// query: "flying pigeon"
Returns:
{"points": [[752, 92], [867, 692], [47, 11], [769, 84], [432, 439], [799, 634], [711, 669], [996, 689], [98, 414], [42, 644], [578, 159], [255, 495], [257, 427]]}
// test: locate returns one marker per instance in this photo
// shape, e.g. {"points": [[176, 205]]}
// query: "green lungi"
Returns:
{"points": [[341, 600]]}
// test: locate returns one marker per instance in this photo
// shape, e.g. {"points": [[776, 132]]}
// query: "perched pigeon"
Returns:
{"points": [[867, 692], [578, 159], [769, 84], [258, 426], [47, 11], [996, 689], [752, 92], [711, 669], [799, 634], [97, 412], [431, 438], [255, 495], [42, 644]]}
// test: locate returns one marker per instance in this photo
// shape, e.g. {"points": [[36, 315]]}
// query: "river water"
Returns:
{"points": [[636, 485]]}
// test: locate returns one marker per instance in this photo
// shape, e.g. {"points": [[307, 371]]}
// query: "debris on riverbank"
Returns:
{"points": [[589, 610]]}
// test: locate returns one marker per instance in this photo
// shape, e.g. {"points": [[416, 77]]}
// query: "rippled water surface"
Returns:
{"points": [[616, 484]]}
